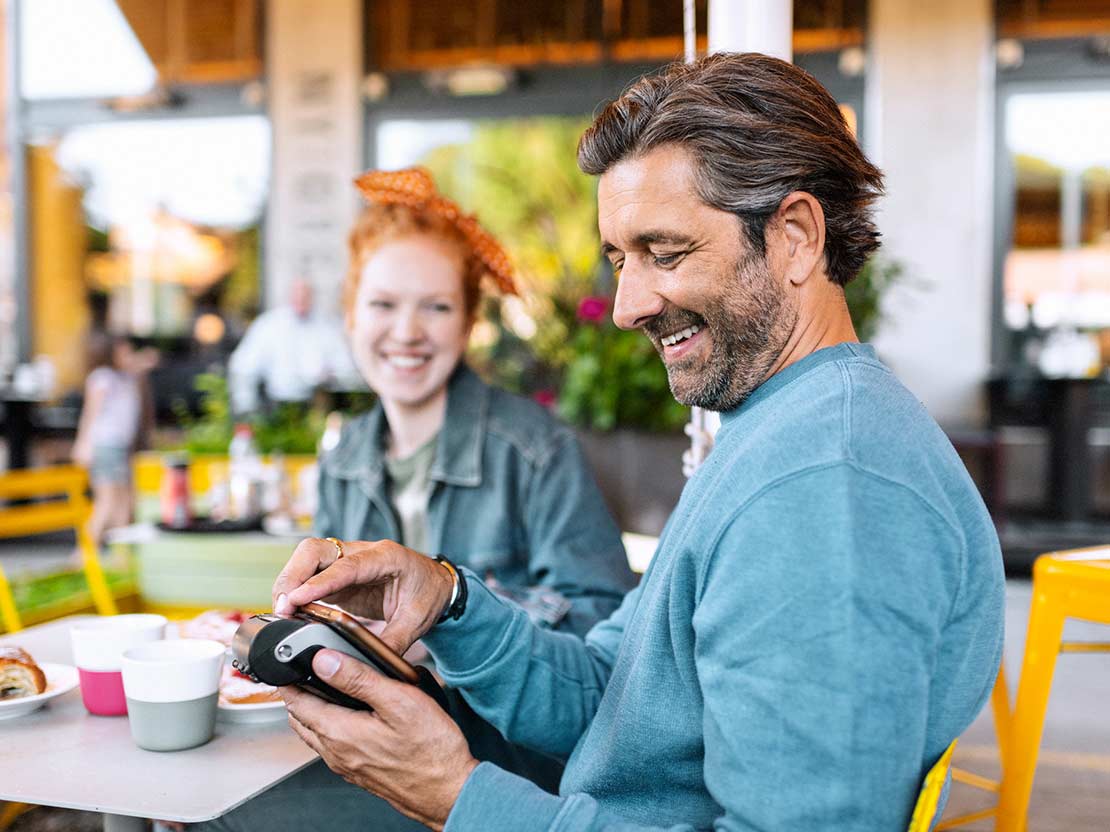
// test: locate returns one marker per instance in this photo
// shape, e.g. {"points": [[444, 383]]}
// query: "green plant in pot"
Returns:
{"points": [[286, 428]]}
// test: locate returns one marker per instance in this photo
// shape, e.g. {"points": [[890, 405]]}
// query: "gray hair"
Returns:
{"points": [[757, 129]]}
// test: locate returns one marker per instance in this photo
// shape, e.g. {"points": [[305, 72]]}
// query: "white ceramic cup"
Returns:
{"points": [[98, 645], [172, 688]]}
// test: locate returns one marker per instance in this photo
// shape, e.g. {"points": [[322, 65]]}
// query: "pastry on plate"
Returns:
{"points": [[237, 689], [19, 675]]}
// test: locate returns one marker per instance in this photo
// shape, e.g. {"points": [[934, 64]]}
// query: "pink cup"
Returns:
{"points": [[98, 644]]}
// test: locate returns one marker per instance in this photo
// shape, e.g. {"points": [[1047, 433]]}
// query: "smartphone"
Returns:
{"points": [[376, 650]]}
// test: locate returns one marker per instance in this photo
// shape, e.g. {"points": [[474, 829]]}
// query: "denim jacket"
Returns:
{"points": [[512, 497]]}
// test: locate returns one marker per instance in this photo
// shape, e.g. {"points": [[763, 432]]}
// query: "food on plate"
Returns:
{"points": [[19, 675], [237, 689], [218, 625]]}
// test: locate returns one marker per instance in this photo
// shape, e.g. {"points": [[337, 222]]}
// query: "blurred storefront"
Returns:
{"points": [[176, 198]]}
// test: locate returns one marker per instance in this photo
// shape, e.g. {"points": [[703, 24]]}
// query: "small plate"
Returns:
{"points": [[253, 714], [60, 678]]}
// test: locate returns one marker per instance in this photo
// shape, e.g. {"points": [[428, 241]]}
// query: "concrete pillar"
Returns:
{"points": [[314, 57], [929, 124]]}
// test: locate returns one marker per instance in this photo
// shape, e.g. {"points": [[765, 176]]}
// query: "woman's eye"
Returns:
{"points": [[440, 307], [380, 304]]}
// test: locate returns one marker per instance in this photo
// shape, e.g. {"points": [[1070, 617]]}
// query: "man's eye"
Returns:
{"points": [[617, 266], [667, 260]]}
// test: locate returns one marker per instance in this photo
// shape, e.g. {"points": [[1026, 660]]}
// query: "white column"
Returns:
{"points": [[752, 26], [742, 26], [929, 124], [314, 54]]}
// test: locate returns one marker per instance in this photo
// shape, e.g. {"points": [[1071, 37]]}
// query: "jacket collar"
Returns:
{"points": [[458, 459]]}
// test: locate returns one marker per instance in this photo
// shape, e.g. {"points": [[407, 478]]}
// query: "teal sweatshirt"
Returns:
{"points": [[823, 616]]}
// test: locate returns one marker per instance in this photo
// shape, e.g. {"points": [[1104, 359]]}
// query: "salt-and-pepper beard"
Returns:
{"points": [[749, 324]]}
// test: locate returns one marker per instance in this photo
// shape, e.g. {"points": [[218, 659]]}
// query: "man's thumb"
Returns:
{"points": [[347, 675]]}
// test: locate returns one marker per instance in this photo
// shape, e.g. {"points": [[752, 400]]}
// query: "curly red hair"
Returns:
{"points": [[405, 203]]}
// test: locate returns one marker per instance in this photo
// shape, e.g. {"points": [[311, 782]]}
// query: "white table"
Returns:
{"points": [[61, 756]]}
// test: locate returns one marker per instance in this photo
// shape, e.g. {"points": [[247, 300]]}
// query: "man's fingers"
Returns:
{"points": [[308, 708], [307, 736], [340, 575], [403, 629], [308, 558], [361, 681]]}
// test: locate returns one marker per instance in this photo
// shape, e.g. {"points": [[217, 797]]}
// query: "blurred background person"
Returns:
{"points": [[289, 352], [116, 418]]}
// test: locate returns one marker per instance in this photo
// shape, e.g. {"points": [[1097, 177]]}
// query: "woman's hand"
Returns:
{"points": [[381, 580]]}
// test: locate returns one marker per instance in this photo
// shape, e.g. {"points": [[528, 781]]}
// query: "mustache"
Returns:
{"points": [[669, 321]]}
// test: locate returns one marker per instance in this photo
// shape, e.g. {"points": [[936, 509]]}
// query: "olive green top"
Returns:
{"points": [[409, 489]]}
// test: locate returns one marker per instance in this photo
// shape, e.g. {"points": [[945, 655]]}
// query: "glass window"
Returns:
{"points": [[1056, 274]]}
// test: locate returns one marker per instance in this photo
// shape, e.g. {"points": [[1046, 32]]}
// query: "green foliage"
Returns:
{"points": [[288, 428], [864, 294], [617, 379], [33, 592], [210, 431]]}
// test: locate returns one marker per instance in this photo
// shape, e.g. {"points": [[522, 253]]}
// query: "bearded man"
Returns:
{"points": [[823, 615]]}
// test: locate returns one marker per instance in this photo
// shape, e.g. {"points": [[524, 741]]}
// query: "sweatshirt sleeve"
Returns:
{"points": [[540, 688]]}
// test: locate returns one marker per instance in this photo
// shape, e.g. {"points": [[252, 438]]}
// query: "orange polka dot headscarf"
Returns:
{"points": [[414, 188]]}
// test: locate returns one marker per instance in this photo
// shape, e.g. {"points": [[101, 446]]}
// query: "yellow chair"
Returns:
{"points": [[59, 502], [925, 810], [1000, 709], [1070, 584]]}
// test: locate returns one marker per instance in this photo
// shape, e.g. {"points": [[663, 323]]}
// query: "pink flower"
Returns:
{"points": [[593, 309], [545, 398]]}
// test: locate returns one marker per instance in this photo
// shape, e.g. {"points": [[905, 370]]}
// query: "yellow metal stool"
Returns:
{"points": [[1071, 584], [1000, 710], [60, 503]]}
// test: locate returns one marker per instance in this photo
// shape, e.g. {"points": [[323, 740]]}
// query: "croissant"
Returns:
{"points": [[19, 675]]}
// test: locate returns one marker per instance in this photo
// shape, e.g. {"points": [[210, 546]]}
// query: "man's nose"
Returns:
{"points": [[636, 302]]}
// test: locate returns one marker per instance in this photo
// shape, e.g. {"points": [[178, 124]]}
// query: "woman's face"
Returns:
{"points": [[408, 324]]}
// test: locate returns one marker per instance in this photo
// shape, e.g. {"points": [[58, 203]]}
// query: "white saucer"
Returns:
{"points": [[60, 678], [252, 714]]}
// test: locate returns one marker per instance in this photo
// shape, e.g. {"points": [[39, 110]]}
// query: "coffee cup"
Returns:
{"points": [[172, 688], [98, 644]]}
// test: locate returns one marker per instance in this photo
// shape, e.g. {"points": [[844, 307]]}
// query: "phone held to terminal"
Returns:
{"points": [[278, 651]]}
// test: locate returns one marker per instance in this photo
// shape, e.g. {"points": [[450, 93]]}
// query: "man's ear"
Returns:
{"points": [[801, 222]]}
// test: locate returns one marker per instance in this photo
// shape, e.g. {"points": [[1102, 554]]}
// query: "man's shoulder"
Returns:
{"points": [[852, 412]]}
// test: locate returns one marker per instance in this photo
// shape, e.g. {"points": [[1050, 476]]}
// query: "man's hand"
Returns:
{"points": [[408, 751], [381, 580]]}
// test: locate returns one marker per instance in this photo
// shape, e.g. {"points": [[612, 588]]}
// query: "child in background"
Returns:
{"points": [[115, 417]]}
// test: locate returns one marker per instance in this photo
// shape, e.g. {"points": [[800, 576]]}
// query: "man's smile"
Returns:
{"points": [[681, 335]]}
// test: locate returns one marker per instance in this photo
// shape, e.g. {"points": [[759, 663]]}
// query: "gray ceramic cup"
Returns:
{"points": [[172, 689]]}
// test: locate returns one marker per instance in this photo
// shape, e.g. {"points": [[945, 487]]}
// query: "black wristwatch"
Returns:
{"points": [[457, 604]]}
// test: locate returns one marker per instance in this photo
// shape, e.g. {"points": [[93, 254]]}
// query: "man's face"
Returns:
{"points": [[714, 309]]}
